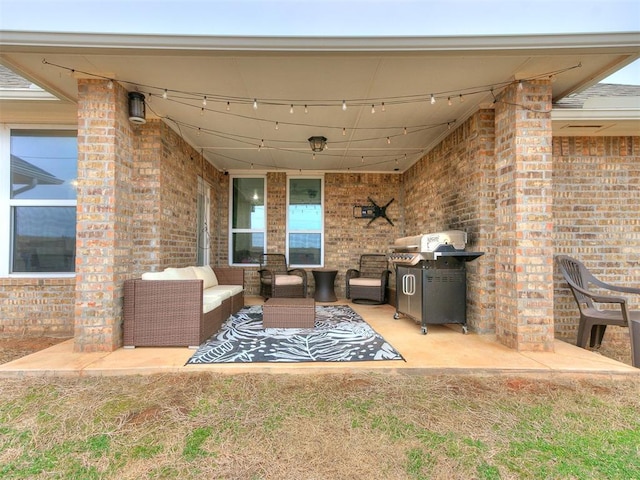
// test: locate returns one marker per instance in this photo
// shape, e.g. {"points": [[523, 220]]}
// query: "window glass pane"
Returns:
{"points": [[44, 164], [248, 203], [44, 239], [247, 247], [305, 204], [304, 248]]}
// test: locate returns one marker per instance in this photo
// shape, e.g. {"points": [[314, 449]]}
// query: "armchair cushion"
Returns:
{"points": [[365, 282], [288, 280]]}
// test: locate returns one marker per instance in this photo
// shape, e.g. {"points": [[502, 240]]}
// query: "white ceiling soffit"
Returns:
{"points": [[281, 72]]}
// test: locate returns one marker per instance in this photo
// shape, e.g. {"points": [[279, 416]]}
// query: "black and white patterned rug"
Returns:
{"points": [[340, 335]]}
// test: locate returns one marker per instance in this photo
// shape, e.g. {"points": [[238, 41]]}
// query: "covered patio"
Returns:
{"points": [[460, 132], [445, 350]]}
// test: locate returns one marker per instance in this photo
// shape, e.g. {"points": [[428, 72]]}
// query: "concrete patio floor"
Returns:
{"points": [[444, 350]]}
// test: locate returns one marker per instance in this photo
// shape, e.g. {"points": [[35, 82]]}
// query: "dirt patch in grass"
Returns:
{"points": [[14, 347]]}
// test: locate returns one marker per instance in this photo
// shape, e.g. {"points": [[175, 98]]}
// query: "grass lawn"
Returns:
{"points": [[319, 427]]}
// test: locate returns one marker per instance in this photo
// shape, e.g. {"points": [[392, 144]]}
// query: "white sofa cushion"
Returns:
{"points": [[230, 289], [184, 273], [155, 276], [210, 304], [365, 282], [207, 275], [288, 280], [213, 294]]}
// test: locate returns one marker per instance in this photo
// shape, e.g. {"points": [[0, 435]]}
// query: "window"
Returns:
{"points": [[204, 214], [39, 193], [247, 219], [305, 222]]}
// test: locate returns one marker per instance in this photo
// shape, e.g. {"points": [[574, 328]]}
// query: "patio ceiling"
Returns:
{"points": [[281, 72]]}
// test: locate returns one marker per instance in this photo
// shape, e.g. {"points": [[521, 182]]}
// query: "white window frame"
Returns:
{"points": [[7, 203], [320, 231], [203, 255], [246, 230]]}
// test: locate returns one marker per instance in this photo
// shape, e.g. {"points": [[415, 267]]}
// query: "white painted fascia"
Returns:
{"points": [[23, 40]]}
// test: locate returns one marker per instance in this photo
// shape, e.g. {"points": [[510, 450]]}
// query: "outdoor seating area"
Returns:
{"points": [[180, 306]]}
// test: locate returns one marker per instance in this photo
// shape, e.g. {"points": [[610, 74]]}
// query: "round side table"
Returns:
{"points": [[324, 279]]}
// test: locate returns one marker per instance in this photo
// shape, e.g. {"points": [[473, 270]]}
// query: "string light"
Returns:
{"points": [[461, 99], [255, 104], [520, 87], [404, 131], [228, 106], [291, 109], [383, 109], [202, 111], [306, 110], [277, 126], [204, 101], [344, 131], [373, 109], [388, 140], [344, 105], [433, 99], [165, 94], [449, 101]]}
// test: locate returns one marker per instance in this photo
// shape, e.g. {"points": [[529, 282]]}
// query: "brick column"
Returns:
{"points": [[524, 222], [103, 239]]}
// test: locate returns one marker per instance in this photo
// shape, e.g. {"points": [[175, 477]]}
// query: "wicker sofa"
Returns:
{"points": [[180, 306]]}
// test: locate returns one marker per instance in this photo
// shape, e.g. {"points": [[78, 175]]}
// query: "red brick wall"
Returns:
{"points": [[37, 306], [596, 209], [452, 188]]}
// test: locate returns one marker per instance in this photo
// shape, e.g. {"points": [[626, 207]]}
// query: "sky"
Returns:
{"points": [[328, 18]]}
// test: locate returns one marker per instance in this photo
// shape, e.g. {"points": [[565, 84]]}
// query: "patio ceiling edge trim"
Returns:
{"points": [[18, 41]]}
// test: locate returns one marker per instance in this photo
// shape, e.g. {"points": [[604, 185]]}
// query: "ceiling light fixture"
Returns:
{"points": [[317, 143]]}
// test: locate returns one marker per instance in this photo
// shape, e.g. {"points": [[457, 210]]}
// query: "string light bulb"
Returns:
{"points": [[291, 109], [255, 103], [388, 140], [165, 94], [204, 101], [520, 87], [344, 131], [344, 105], [433, 99], [277, 126], [383, 109], [306, 110], [449, 101], [461, 99], [228, 106], [404, 131], [373, 109]]}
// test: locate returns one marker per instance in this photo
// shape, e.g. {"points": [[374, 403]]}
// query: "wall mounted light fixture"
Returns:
{"points": [[136, 108]]}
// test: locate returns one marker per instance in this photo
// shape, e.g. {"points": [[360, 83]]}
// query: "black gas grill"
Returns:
{"points": [[431, 282]]}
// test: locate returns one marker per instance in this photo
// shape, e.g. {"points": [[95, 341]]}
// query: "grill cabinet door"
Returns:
{"points": [[409, 292]]}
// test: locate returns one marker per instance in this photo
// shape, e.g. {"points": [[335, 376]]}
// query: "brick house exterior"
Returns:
{"points": [[520, 193]]}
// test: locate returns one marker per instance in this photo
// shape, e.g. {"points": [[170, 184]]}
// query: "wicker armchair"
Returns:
{"points": [[368, 283], [278, 280]]}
